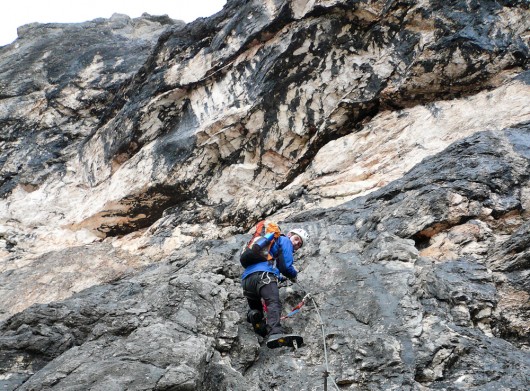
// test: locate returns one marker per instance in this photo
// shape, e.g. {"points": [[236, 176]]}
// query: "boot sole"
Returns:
{"points": [[285, 340]]}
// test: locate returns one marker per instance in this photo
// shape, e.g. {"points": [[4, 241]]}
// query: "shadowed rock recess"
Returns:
{"points": [[137, 153]]}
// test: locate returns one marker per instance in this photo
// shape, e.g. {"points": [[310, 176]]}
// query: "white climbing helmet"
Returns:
{"points": [[302, 233]]}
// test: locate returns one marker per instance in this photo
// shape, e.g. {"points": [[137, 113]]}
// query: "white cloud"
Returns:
{"points": [[15, 13]]}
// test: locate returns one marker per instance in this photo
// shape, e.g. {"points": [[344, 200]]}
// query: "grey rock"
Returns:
{"points": [[73, 73], [169, 141]]}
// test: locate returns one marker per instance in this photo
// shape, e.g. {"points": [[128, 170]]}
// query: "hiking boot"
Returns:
{"points": [[279, 340], [258, 322]]}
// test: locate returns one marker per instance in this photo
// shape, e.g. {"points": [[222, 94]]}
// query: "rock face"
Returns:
{"points": [[137, 153]]}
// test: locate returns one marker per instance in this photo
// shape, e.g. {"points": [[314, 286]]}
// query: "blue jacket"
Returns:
{"points": [[282, 251]]}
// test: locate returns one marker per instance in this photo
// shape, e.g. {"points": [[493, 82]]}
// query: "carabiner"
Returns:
{"points": [[268, 277]]}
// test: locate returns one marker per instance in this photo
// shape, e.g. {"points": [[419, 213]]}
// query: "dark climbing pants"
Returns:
{"points": [[263, 285]]}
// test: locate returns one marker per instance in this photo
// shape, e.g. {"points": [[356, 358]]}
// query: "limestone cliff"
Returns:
{"points": [[137, 153]]}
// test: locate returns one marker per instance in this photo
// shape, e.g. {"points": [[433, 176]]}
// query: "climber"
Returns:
{"points": [[260, 281]]}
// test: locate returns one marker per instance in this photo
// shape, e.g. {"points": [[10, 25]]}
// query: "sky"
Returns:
{"points": [[15, 13]]}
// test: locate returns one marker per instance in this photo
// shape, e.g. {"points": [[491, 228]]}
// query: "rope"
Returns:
{"points": [[326, 373]]}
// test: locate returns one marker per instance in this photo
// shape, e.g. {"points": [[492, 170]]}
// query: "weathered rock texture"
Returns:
{"points": [[137, 153]]}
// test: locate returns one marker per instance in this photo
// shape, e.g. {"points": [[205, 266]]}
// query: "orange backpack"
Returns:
{"points": [[258, 247]]}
